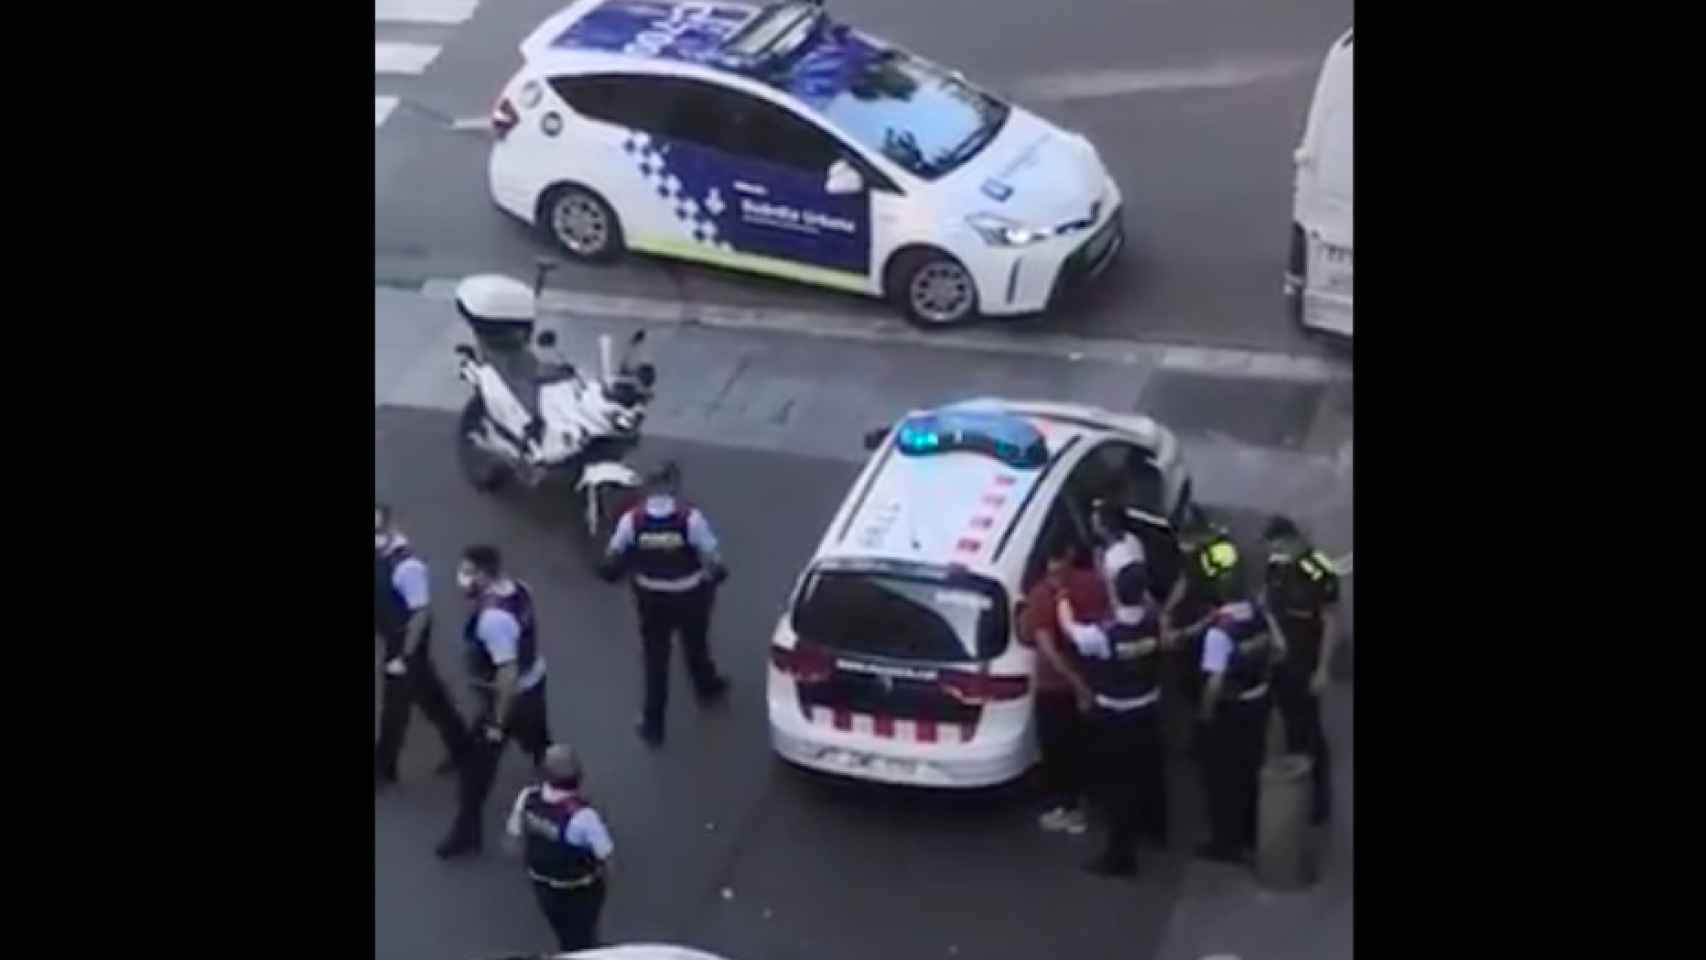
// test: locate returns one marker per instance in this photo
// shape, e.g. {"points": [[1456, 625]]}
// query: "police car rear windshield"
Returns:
{"points": [[1008, 439], [899, 615]]}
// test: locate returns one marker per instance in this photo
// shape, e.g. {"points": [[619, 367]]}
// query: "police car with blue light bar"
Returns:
{"points": [[774, 140], [899, 657]]}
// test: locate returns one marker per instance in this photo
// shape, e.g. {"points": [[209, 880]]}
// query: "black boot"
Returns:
{"points": [[457, 845]]}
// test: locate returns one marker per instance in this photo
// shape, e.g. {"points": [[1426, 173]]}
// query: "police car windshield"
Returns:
{"points": [[917, 114], [903, 616]]}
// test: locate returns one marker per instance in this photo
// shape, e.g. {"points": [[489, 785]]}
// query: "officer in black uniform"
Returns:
{"points": [[508, 675], [668, 548], [1239, 651], [1303, 594], [567, 848], [1121, 663], [402, 618]]}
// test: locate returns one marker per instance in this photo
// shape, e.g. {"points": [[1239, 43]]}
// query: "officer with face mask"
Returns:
{"points": [[668, 548], [508, 675], [567, 849], [402, 617]]}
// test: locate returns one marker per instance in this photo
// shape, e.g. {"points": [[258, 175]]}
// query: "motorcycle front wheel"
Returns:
{"points": [[482, 470]]}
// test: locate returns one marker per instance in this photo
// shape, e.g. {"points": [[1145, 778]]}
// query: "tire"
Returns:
{"points": [[581, 224], [484, 472], [933, 289]]}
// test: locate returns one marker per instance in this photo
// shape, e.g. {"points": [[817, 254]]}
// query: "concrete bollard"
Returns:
{"points": [[1285, 854]]}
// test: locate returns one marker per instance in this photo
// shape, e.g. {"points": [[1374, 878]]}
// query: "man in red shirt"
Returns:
{"points": [[1062, 694]]}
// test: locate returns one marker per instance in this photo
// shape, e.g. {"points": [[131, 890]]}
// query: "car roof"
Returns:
{"points": [[961, 508], [625, 36]]}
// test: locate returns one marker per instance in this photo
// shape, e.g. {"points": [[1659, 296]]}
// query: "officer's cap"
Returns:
{"points": [[561, 763]]}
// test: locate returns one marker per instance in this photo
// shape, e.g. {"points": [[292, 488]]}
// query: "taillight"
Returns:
{"points": [[805, 663], [982, 687], [504, 118]]}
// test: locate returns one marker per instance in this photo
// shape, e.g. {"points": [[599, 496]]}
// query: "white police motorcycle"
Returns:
{"points": [[533, 417]]}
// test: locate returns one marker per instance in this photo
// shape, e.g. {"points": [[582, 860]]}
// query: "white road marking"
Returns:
{"points": [[423, 11], [1251, 364], [1091, 84], [382, 107], [403, 57]]}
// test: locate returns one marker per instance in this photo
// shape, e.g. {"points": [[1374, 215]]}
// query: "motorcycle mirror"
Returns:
{"points": [[647, 375], [638, 338], [464, 351], [546, 339], [874, 438]]}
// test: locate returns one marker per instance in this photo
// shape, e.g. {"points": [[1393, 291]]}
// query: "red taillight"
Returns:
{"points": [[805, 663], [504, 118], [982, 687]]}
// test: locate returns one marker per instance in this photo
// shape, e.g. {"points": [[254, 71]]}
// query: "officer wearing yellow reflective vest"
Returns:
{"points": [[1239, 651], [1302, 591], [1206, 549]]}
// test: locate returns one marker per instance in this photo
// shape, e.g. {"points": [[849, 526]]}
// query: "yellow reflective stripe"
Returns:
{"points": [[689, 250]]}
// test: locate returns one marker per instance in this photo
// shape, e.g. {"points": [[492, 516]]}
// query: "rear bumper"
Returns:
{"points": [[994, 756]]}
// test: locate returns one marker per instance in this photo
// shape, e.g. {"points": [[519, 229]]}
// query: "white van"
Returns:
{"points": [[1318, 276]]}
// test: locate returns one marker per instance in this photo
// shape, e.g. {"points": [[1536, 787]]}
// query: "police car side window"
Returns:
{"points": [[642, 103], [1120, 472], [766, 132]]}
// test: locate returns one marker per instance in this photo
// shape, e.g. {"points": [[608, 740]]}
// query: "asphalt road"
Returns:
{"points": [[718, 845], [1203, 159]]}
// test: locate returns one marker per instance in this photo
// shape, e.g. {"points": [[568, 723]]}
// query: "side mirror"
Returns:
{"points": [[843, 179], [465, 352], [546, 339], [638, 338], [874, 438], [646, 374]]}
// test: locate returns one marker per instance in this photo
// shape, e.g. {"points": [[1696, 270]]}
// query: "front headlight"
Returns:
{"points": [[998, 231]]}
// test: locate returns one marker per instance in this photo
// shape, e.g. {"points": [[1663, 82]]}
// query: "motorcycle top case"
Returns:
{"points": [[501, 334]]}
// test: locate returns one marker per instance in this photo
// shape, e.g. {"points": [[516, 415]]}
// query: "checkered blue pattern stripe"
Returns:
{"points": [[642, 151]]}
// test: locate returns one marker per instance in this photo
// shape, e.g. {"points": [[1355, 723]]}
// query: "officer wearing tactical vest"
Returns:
{"points": [[1303, 593], [1206, 549], [668, 548], [508, 675], [402, 617], [1239, 651], [1121, 664], [567, 849]]}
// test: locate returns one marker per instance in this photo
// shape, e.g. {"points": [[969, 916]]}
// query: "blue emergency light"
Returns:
{"points": [[1008, 439]]}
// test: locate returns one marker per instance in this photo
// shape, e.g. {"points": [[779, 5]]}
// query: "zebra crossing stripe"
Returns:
{"points": [[382, 107], [423, 11], [403, 57]]}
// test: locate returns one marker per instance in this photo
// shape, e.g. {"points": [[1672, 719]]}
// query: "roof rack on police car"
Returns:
{"points": [[781, 31]]}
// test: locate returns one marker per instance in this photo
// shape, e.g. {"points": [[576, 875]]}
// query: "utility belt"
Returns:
{"points": [[682, 584], [575, 884], [1122, 707]]}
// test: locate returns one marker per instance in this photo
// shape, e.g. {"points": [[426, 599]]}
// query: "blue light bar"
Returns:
{"points": [[1008, 439]]}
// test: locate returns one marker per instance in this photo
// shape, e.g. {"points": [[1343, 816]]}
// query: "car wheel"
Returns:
{"points": [[581, 224], [934, 289]]}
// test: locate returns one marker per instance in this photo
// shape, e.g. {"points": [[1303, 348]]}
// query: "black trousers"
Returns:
{"points": [[662, 616], [1300, 712], [1061, 737], [1128, 777], [573, 913], [1237, 738], [527, 726], [419, 687]]}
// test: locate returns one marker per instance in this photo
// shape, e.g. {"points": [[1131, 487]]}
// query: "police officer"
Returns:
{"points": [[1239, 650], [402, 617], [1206, 550], [1302, 591], [1121, 663], [508, 675], [567, 849], [668, 548]]}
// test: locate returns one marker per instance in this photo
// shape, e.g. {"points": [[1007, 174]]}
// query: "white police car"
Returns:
{"points": [[774, 140], [897, 659]]}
